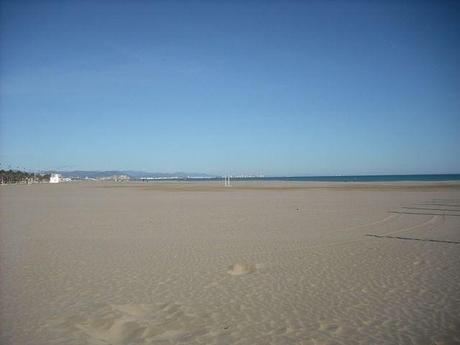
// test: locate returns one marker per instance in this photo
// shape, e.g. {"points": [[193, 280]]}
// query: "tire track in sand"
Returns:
{"points": [[433, 219]]}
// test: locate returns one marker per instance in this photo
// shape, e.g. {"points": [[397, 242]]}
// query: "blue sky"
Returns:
{"points": [[269, 87]]}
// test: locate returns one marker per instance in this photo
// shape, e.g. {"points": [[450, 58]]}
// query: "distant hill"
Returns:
{"points": [[81, 174]]}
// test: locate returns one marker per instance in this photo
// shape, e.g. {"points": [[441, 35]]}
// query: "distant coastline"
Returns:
{"points": [[11, 176], [348, 178]]}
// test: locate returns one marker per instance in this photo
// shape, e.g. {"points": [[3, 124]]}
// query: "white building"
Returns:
{"points": [[55, 178]]}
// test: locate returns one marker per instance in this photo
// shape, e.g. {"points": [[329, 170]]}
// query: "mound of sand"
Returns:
{"points": [[239, 269], [134, 324]]}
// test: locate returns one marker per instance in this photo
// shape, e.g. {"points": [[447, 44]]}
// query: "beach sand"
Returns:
{"points": [[256, 263]]}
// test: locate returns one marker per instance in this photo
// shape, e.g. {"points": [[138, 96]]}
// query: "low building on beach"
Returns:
{"points": [[55, 178]]}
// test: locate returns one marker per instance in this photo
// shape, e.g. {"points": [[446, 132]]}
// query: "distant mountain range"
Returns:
{"points": [[81, 174]]}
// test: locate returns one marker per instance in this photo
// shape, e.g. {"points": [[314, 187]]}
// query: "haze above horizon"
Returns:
{"points": [[276, 88]]}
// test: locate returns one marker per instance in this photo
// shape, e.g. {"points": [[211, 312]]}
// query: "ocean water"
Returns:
{"points": [[369, 178], [353, 178]]}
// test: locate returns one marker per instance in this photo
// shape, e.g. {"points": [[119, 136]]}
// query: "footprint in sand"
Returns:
{"points": [[331, 328]]}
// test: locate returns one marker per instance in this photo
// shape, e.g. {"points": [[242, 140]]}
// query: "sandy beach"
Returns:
{"points": [[256, 263]]}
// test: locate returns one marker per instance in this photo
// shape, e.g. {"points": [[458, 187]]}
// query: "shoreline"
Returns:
{"points": [[194, 185], [275, 185]]}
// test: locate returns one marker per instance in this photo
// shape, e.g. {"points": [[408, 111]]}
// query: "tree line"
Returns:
{"points": [[16, 176]]}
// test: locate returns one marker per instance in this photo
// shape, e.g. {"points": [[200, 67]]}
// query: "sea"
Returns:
{"points": [[350, 178], [364, 178]]}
